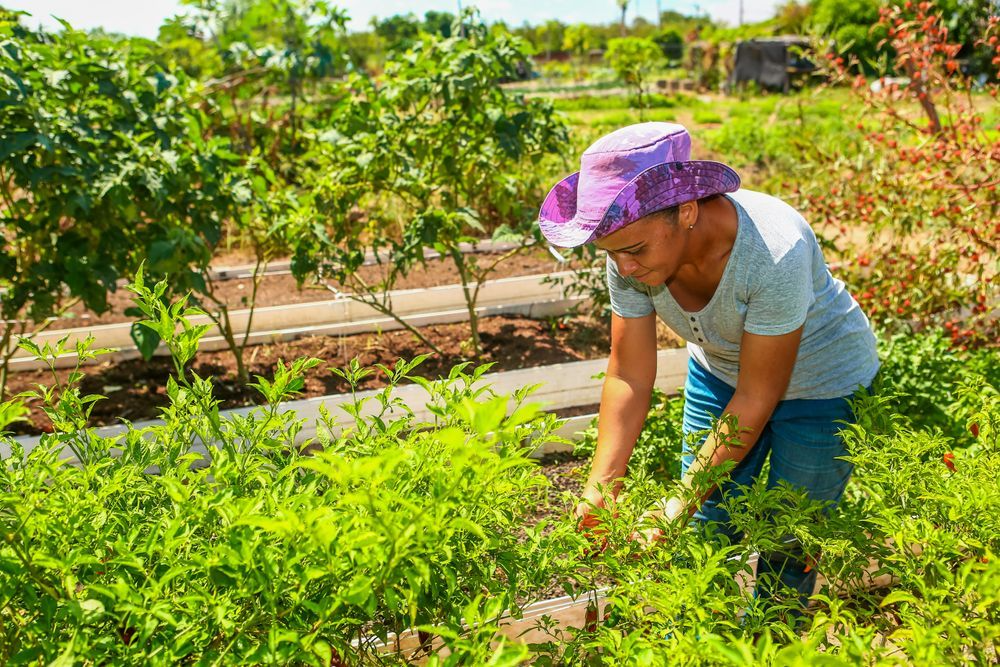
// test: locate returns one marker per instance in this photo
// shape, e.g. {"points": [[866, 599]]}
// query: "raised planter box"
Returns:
{"points": [[524, 295], [566, 613], [284, 267]]}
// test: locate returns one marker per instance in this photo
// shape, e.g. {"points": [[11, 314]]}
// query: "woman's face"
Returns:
{"points": [[651, 249]]}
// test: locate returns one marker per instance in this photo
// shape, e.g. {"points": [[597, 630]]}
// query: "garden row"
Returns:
{"points": [[115, 157], [397, 518]]}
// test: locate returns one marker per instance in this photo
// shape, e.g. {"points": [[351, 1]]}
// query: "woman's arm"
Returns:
{"points": [[625, 397], [766, 364]]}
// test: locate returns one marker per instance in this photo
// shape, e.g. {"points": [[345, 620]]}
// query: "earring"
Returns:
{"points": [[690, 226]]}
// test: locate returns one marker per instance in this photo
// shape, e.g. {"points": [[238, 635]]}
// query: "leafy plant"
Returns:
{"points": [[919, 185], [103, 163], [633, 58], [264, 66], [439, 154], [216, 538], [657, 451]]}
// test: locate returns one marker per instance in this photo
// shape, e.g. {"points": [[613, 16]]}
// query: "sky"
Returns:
{"points": [[143, 17]]}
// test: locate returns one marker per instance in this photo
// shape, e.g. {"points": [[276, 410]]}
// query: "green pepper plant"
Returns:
{"points": [[436, 153], [219, 539]]}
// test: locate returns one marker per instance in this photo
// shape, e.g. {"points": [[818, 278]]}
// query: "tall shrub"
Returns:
{"points": [[436, 153], [913, 204], [102, 161]]}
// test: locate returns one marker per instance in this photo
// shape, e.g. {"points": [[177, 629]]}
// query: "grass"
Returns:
{"points": [[617, 102], [760, 136]]}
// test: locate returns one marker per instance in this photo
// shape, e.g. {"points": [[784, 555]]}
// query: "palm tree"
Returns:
{"points": [[623, 5]]}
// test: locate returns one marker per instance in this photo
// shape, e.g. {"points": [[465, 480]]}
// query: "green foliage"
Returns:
{"points": [[578, 39], [706, 116], [633, 59], [263, 65], [769, 137], [607, 102], [276, 56], [913, 367], [849, 23], [105, 162], [399, 31], [919, 509], [438, 154], [269, 555], [658, 450], [671, 43]]}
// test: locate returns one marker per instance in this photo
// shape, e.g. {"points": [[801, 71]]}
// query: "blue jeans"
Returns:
{"points": [[803, 442]]}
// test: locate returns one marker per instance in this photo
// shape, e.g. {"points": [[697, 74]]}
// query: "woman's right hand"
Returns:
{"points": [[586, 515]]}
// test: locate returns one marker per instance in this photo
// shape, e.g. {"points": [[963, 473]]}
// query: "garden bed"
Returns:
{"points": [[531, 296], [135, 389], [282, 288]]}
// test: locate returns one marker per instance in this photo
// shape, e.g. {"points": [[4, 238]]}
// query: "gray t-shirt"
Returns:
{"points": [[775, 281]]}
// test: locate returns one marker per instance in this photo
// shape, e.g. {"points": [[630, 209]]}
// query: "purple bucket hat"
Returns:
{"points": [[628, 174]]}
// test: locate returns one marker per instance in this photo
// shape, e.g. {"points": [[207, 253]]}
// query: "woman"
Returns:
{"points": [[775, 342]]}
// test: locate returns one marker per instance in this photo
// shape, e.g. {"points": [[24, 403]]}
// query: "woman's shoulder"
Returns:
{"points": [[776, 224]]}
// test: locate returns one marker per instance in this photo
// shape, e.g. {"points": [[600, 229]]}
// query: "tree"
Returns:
{"points": [[671, 43], [853, 25], [792, 17], [623, 6], [551, 35], [578, 39], [398, 31], [438, 23], [633, 58]]}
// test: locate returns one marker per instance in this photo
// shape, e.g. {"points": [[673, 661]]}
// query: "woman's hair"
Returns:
{"points": [[671, 214]]}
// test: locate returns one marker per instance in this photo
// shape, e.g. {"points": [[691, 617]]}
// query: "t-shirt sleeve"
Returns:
{"points": [[626, 300], [783, 291]]}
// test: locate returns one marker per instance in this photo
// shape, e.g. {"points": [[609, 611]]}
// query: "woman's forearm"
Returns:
{"points": [[624, 406], [723, 445]]}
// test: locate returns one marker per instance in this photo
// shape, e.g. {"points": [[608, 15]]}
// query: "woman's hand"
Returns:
{"points": [[592, 499], [664, 511], [588, 522]]}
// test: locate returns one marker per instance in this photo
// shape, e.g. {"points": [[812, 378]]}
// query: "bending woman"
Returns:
{"points": [[774, 340]]}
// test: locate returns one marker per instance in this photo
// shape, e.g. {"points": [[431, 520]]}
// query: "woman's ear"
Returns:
{"points": [[687, 215]]}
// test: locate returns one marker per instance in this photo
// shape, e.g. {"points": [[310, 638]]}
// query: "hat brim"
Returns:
{"points": [[659, 187]]}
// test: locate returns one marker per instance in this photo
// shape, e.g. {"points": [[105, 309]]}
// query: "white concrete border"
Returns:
{"points": [[521, 295], [284, 266]]}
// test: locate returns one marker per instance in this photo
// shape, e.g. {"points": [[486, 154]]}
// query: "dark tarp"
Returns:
{"points": [[766, 61]]}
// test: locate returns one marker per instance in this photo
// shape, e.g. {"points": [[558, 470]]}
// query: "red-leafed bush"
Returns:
{"points": [[913, 206]]}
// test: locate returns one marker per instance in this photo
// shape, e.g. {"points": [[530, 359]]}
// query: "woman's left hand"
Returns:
{"points": [[665, 511]]}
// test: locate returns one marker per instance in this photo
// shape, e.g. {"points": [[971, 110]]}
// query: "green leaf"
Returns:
{"points": [[898, 596], [146, 339]]}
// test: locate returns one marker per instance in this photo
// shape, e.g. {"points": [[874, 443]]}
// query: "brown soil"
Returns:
{"points": [[282, 289], [567, 473], [135, 389], [578, 410]]}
